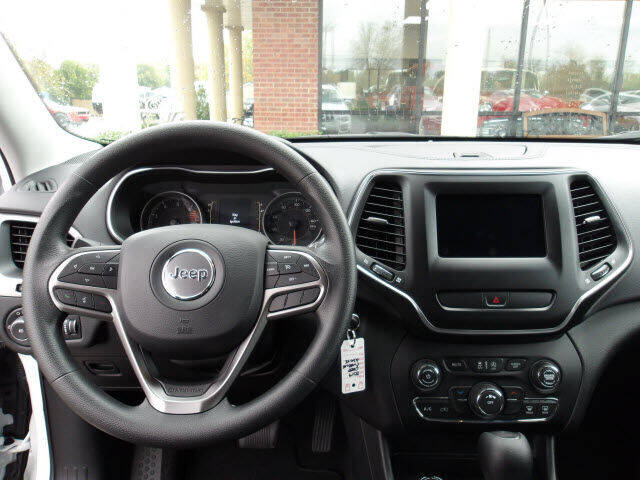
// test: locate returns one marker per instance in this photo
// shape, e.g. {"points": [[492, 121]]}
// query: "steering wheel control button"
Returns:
{"points": [[284, 257], [71, 268], [515, 364], [278, 303], [600, 272], [68, 297], [271, 269], [294, 299], [71, 328], [101, 304], [307, 267], [495, 299], [426, 375], [545, 376], [85, 280], [84, 300], [92, 268], [294, 279], [310, 295], [110, 270], [188, 274], [287, 268]]}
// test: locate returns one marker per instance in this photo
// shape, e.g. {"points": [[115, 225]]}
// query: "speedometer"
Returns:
{"points": [[170, 208], [290, 220]]}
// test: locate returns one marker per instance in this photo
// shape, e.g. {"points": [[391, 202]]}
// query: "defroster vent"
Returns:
{"points": [[381, 230]]}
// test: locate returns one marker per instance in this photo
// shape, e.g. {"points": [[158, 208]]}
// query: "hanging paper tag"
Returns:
{"points": [[352, 362]]}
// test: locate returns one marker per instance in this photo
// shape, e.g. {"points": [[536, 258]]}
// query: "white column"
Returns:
{"points": [[214, 9], [463, 67], [183, 75], [234, 26]]}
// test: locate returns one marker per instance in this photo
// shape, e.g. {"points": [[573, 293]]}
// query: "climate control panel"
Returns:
{"points": [[486, 389]]}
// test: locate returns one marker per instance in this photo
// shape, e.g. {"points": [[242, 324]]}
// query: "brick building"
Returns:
{"points": [[286, 65]]}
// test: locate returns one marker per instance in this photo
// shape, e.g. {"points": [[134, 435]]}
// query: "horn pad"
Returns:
{"points": [[191, 291]]}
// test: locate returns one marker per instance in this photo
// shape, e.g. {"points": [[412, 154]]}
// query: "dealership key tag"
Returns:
{"points": [[352, 364]]}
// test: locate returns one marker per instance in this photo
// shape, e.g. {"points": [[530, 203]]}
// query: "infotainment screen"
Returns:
{"points": [[490, 225]]}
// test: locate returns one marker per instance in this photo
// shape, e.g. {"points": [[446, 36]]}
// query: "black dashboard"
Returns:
{"points": [[496, 279]]}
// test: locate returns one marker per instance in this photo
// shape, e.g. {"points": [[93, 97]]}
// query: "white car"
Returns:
{"points": [[335, 111]]}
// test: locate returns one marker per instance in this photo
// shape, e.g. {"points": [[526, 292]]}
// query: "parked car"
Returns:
{"points": [[335, 112], [591, 93], [627, 102], [497, 89], [67, 115]]}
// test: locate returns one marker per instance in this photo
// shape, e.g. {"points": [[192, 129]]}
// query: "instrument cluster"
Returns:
{"points": [[149, 200]]}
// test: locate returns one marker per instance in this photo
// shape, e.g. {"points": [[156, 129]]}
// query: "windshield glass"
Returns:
{"points": [[486, 68]]}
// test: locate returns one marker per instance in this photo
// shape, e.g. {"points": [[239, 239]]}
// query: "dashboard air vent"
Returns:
{"points": [[381, 230], [596, 238], [21, 233]]}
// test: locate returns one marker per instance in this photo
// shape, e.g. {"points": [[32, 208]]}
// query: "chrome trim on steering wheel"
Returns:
{"points": [[153, 389]]}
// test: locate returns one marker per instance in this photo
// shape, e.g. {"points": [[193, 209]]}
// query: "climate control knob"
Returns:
{"points": [[545, 376], [426, 375], [486, 400]]}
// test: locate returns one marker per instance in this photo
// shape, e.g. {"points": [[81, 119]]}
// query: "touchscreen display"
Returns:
{"points": [[490, 225]]}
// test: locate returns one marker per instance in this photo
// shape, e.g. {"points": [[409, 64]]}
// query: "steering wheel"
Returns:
{"points": [[187, 292]]}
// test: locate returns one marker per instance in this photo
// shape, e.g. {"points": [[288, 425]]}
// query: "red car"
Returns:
{"points": [[67, 114], [496, 95]]}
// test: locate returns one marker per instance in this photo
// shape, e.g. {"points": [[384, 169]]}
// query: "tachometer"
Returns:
{"points": [[170, 208], [290, 220]]}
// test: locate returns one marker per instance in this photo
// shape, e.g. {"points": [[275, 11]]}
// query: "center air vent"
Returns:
{"points": [[381, 230], [596, 238], [21, 233]]}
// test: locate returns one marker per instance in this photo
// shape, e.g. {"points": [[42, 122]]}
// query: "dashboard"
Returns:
{"points": [[256, 198], [486, 269]]}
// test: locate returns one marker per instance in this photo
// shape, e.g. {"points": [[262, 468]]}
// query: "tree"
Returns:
{"points": [[152, 76], [77, 80], [44, 77], [376, 47]]}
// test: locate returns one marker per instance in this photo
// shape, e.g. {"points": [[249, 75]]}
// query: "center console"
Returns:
{"points": [[487, 269], [489, 252]]}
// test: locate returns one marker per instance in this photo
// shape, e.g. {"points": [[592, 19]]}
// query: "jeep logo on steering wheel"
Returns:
{"points": [[188, 283], [198, 274]]}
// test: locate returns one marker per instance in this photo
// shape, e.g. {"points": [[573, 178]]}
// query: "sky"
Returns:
{"points": [[88, 30]]}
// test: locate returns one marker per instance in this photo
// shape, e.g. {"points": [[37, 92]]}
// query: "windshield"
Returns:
{"points": [[485, 68]]}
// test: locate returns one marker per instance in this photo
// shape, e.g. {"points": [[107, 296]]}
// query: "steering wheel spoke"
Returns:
{"points": [[184, 397], [85, 283], [295, 282]]}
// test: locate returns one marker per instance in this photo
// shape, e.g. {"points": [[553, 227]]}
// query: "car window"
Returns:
{"points": [[275, 67]]}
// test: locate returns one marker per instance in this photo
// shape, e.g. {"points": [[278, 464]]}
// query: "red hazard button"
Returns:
{"points": [[495, 299]]}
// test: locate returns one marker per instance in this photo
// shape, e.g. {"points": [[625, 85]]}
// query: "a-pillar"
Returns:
{"points": [[214, 9], [234, 25], [183, 76]]}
